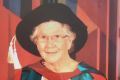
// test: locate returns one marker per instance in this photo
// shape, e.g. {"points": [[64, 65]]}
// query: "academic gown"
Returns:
{"points": [[83, 72]]}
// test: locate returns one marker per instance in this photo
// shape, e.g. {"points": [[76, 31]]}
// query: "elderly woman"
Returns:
{"points": [[55, 34]]}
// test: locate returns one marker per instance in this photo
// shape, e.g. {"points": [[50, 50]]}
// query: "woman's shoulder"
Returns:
{"points": [[89, 72]]}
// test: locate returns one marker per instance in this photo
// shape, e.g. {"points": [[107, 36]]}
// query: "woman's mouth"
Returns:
{"points": [[53, 52]]}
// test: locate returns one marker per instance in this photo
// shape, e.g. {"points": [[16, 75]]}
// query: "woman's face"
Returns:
{"points": [[53, 40]]}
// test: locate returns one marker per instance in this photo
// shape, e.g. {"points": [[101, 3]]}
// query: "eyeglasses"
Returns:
{"points": [[44, 38]]}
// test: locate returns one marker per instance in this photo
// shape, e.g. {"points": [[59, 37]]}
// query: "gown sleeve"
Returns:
{"points": [[89, 73], [98, 77]]}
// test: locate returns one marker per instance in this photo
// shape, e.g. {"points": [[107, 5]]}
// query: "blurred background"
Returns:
{"points": [[102, 17]]}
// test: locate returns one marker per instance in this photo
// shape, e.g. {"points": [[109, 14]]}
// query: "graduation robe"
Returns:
{"points": [[83, 72]]}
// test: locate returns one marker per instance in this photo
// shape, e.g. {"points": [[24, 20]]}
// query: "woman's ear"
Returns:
{"points": [[71, 38], [70, 35]]}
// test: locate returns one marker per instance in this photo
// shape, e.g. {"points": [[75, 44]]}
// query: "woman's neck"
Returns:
{"points": [[63, 65]]}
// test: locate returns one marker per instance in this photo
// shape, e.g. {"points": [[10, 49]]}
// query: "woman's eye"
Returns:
{"points": [[57, 36], [43, 37]]}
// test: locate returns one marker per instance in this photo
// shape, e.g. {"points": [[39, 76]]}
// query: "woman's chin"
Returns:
{"points": [[52, 60]]}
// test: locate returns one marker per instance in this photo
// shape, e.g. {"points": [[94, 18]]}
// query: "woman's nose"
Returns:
{"points": [[50, 42]]}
